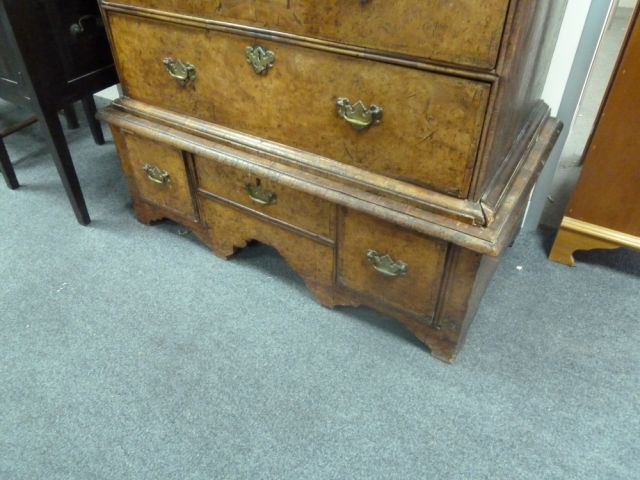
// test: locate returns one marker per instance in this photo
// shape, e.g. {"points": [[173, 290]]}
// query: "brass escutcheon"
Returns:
{"points": [[156, 174], [259, 195], [183, 73], [387, 265], [260, 58], [358, 115]]}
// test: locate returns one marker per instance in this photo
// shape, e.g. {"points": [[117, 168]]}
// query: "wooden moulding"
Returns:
{"points": [[434, 214], [527, 49], [460, 209], [481, 213], [575, 235]]}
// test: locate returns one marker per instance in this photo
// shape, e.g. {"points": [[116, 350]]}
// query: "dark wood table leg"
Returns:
{"points": [[89, 106], [6, 168], [72, 118], [59, 150]]}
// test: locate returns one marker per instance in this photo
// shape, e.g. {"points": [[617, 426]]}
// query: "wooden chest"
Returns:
{"points": [[385, 149]]}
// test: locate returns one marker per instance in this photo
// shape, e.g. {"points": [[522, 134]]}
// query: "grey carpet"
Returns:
{"points": [[131, 352]]}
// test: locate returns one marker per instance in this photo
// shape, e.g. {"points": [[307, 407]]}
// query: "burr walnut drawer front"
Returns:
{"points": [[266, 198], [158, 173], [408, 124], [466, 32], [383, 261]]}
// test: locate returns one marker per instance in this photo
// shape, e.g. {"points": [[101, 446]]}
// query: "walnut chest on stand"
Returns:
{"points": [[385, 149]]}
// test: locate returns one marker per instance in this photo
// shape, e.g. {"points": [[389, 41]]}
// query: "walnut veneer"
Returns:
{"points": [[385, 149]]}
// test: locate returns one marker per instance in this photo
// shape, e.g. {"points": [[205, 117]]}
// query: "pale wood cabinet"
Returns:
{"points": [[604, 211]]}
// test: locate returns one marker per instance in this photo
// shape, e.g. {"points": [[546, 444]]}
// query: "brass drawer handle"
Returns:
{"points": [[85, 24], [387, 265], [260, 58], [259, 195], [358, 115], [156, 174], [183, 73]]}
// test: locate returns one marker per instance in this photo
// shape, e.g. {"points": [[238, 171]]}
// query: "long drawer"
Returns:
{"points": [[411, 125], [268, 198], [466, 32]]}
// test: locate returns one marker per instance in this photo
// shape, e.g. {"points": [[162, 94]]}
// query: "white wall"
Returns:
{"points": [[110, 93], [562, 61], [572, 61]]}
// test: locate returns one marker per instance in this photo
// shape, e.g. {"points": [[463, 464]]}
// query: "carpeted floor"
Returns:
{"points": [[131, 352]]}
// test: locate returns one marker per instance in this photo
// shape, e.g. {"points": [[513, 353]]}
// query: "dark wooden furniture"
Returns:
{"points": [[5, 162], [54, 52], [385, 149], [604, 211]]}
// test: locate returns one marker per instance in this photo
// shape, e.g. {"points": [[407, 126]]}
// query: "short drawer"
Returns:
{"points": [[466, 32], [390, 264], [411, 125], [266, 197], [159, 174]]}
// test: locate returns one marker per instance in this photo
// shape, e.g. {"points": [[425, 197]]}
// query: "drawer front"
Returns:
{"points": [[270, 198], [428, 132], [230, 229], [80, 36], [159, 174], [390, 264], [465, 32]]}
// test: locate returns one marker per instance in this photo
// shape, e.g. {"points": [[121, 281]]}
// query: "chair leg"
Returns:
{"points": [[72, 118], [62, 158], [89, 105], [6, 168]]}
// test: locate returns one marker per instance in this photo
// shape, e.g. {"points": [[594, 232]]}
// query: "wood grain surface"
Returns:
{"points": [[609, 185], [230, 229], [174, 195], [417, 291], [298, 209], [429, 134], [439, 185], [465, 32]]}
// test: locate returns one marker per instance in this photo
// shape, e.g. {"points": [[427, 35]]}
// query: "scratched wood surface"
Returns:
{"points": [[437, 298], [175, 194], [456, 129], [465, 32], [290, 206], [428, 136], [230, 229], [415, 292]]}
